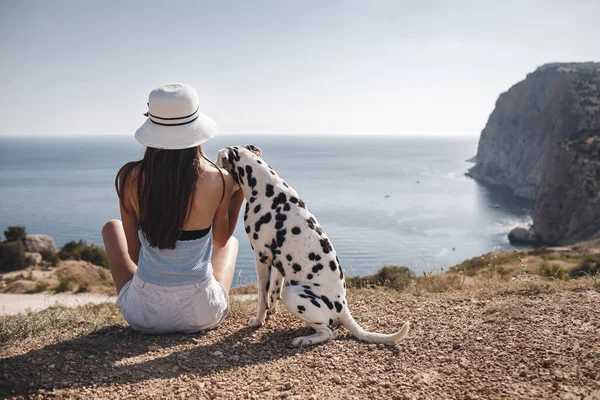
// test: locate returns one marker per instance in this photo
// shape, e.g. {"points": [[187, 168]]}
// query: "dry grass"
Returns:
{"points": [[44, 324], [546, 262], [86, 319], [246, 289]]}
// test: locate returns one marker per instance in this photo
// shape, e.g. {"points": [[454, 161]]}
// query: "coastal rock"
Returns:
{"points": [[33, 258], [567, 209], [37, 243], [523, 236], [541, 141]]}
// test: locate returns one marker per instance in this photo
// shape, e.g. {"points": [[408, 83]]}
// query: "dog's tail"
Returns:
{"points": [[370, 337]]}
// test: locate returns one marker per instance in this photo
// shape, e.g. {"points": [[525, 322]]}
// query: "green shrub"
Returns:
{"points": [[82, 251], [551, 270], [470, 267], [15, 233], [66, 281], [12, 256], [395, 277], [589, 266], [50, 256]]}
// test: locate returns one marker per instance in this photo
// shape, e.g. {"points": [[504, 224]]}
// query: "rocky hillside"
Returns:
{"points": [[543, 141]]}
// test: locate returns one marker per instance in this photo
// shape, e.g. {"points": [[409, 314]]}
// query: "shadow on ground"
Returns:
{"points": [[117, 354]]}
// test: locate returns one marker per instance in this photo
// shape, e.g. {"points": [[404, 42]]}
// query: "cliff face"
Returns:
{"points": [[541, 141], [567, 208]]}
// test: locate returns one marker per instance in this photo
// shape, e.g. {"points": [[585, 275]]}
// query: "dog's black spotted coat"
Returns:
{"points": [[287, 239]]}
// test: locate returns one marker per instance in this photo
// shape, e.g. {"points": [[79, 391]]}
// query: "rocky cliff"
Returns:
{"points": [[543, 141]]}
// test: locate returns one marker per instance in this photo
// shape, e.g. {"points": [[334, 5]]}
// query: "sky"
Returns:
{"points": [[361, 67]]}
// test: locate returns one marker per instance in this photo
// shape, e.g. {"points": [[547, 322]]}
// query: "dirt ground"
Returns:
{"points": [[525, 342]]}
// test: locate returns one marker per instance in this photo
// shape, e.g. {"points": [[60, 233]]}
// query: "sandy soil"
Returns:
{"points": [[76, 277], [464, 345]]}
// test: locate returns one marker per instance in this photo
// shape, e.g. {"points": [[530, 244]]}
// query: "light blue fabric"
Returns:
{"points": [[189, 262]]}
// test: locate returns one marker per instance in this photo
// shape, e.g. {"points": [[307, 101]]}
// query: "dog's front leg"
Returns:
{"points": [[263, 273], [275, 291]]}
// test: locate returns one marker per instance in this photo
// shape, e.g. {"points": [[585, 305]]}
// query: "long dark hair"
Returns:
{"points": [[165, 189]]}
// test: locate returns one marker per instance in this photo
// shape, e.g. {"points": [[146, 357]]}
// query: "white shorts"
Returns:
{"points": [[157, 309]]}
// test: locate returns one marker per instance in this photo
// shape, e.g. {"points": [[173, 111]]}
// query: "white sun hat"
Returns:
{"points": [[174, 120]]}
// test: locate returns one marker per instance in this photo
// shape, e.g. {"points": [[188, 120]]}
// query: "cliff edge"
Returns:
{"points": [[543, 141]]}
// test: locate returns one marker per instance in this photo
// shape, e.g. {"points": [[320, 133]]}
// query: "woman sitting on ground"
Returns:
{"points": [[172, 258]]}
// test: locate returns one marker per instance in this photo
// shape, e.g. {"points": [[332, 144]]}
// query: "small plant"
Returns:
{"points": [[15, 234], [392, 276], [12, 256], [66, 282], [596, 281], [501, 270], [522, 261], [589, 266], [554, 271], [82, 251], [50, 256], [397, 277]]}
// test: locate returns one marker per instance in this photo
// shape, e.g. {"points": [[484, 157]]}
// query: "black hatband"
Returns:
{"points": [[171, 119], [183, 123]]}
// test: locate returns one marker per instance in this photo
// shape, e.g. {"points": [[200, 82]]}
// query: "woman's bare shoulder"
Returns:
{"points": [[214, 172]]}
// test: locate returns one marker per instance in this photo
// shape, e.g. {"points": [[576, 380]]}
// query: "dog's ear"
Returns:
{"points": [[225, 159], [254, 149]]}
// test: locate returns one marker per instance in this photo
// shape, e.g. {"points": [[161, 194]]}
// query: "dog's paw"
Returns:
{"points": [[255, 322], [272, 310], [301, 341]]}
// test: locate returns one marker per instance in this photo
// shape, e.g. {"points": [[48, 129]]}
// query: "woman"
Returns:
{"points": [[172, 258]]}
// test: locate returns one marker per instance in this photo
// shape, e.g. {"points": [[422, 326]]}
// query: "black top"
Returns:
{"points": [[193, 235]]}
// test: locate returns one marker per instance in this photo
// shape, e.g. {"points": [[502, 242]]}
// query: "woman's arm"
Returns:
{"points": [[227, 213], [129, 217], [130, 226], [234, 209]]}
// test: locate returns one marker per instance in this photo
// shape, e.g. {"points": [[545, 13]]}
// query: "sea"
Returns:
{"points": [[381, 200]]}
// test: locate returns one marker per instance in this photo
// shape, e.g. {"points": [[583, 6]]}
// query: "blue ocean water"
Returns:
{"points": [[381, 200]]}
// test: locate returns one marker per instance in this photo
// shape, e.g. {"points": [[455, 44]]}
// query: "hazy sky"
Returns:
{"points": [[288, 67]]}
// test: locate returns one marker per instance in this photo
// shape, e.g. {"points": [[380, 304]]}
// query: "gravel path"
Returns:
{"points": [[463, 345], [13, 304]]}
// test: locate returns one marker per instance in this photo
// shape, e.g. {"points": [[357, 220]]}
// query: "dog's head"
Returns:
{"points": [[236, 159]]}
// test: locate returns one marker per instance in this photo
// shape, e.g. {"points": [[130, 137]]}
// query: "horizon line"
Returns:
{"points": [[282, 134]]}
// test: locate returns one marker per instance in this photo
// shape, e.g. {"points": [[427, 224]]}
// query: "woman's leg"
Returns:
{"points": [[121, 266], [223, 262]]}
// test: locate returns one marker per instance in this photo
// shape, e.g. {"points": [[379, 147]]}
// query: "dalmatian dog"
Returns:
{"points": [[290, 245]]}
